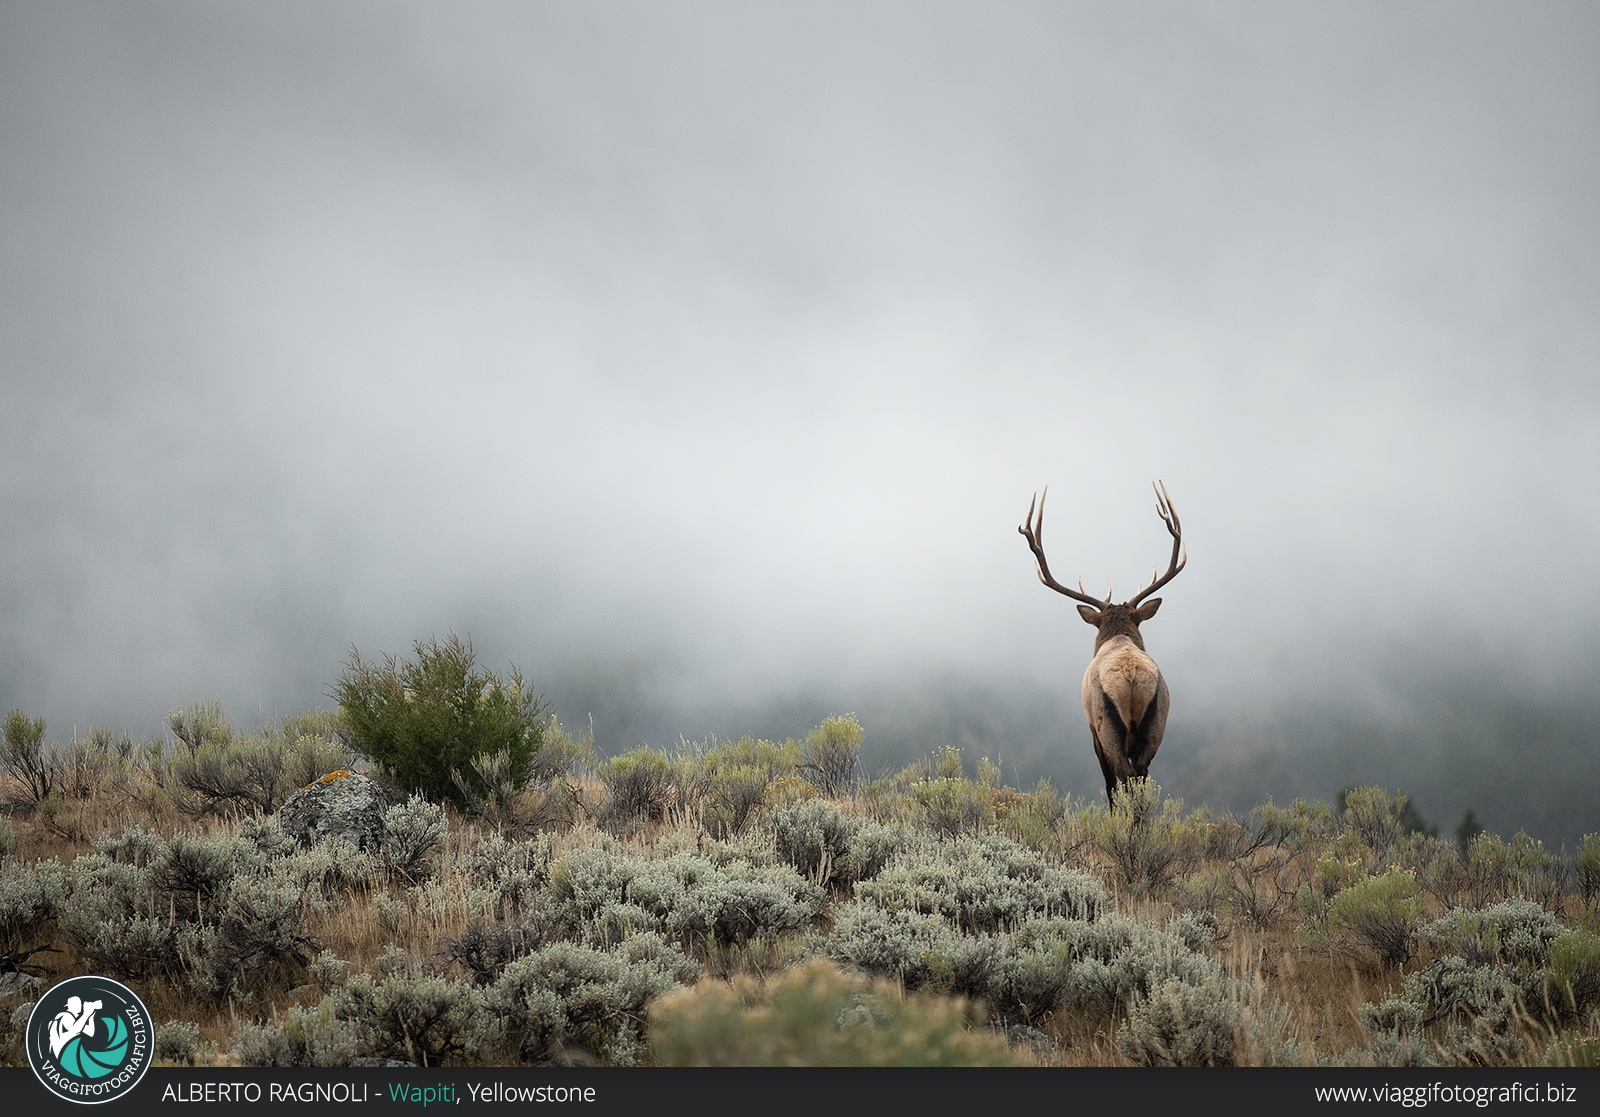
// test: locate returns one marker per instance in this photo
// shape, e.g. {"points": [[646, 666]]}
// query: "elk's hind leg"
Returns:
{"points": [[1111, 744], [1105, 766], [1145, 738]]}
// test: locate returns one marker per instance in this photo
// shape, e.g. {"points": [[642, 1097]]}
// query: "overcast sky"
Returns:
{"points": [[733, 339]]}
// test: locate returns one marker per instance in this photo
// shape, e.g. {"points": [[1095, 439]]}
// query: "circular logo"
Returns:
{"points": [[89, 1039]]}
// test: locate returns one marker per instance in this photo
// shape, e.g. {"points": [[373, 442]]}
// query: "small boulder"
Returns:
{"points": [[16, 982], [339, 805]]}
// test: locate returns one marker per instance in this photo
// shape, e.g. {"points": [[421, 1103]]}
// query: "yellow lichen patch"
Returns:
{"points": [[336, 774]]}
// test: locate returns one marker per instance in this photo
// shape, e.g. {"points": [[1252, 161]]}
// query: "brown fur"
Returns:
{"points": [[1124, 696]]}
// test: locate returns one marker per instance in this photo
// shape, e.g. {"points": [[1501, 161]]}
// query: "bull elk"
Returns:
{"points": [[1124, 696]]}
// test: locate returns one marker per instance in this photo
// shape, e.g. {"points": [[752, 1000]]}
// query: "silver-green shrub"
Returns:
{"points": [[824, 843], [1480, 1005], [135, 845], [1182, 1025], [267, 836], [1518, 931], [812, 835], [567, 996], [1045, 964], [1118, 960], [260, 931], [115, 919], [199, 868], [176, 1041], [30, 898], [412, 1015], [308, 1037], [412, 831], [982, 883], [604, 896]]}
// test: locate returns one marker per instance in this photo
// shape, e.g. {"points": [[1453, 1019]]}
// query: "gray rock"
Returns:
{"points": [[16, 982], [349, 808]]}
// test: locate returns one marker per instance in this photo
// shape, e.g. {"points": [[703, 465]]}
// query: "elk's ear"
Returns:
{"points": [[1092, 616], [1146, 611]]}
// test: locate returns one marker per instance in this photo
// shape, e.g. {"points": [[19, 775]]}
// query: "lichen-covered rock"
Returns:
{"points": [[340, 805]]}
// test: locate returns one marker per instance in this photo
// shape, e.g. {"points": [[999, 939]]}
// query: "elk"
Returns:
{"points": [[1124, 696]]}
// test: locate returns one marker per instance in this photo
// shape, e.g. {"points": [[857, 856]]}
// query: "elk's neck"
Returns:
{"points": [[1112, 626]]}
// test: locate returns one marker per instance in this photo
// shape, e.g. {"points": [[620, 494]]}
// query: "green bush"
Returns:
{"points": [[639, 785], [308, 1037], [814, 1016], [202, 724], [422, 721], [95, 763], [1146, 839], [732, 798], [1032, 820], [250, 775], [35, 767], [954, 805], [1380, 913], [1573, 1051], [1379, 820], [830, 755], [1574, 974], [1588, 867]]}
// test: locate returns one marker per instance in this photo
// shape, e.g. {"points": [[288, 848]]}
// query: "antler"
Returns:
{"points": [[1034, 533], [1169, 516]]}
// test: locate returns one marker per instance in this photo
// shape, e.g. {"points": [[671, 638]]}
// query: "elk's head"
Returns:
{"points": [[1111, 619]]}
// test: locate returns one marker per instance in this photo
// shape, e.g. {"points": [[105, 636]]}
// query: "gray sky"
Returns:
{"points": [[731, 340]]}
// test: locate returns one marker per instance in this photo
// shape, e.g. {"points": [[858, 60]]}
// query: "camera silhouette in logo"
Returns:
{"points": [[89, 1039]]}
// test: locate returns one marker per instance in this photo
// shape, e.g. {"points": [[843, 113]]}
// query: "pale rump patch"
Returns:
{"points": [[1125, 675]]}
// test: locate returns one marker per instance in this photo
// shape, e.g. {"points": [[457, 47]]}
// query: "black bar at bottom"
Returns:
{"points": [[821, 1092]]}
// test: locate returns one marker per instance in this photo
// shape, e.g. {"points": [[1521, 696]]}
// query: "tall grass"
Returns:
{"points": [[758, 901]]}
